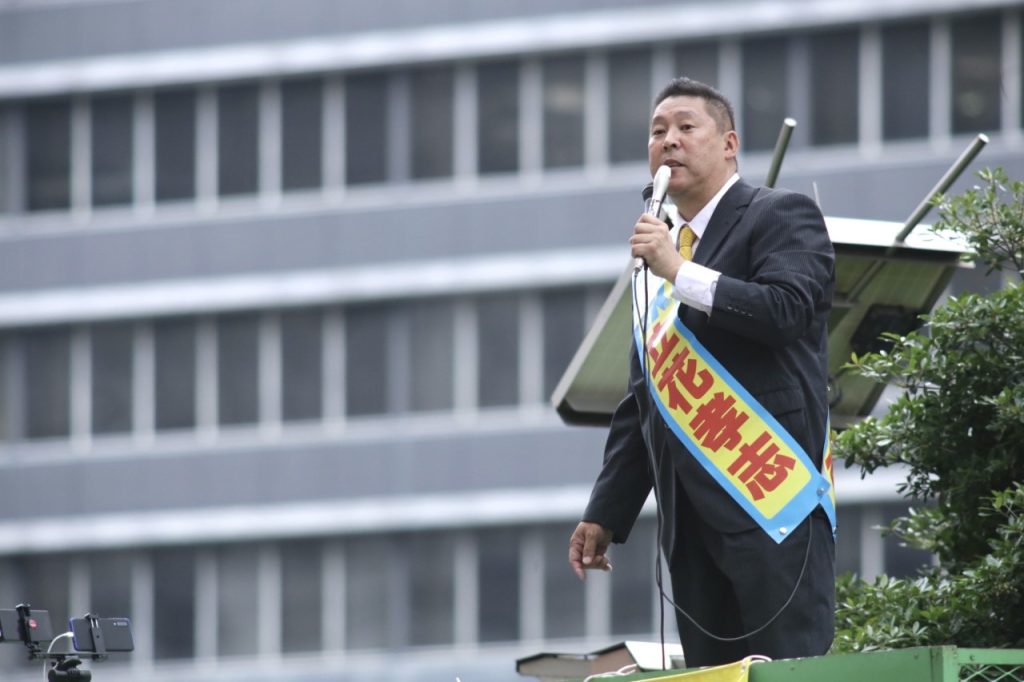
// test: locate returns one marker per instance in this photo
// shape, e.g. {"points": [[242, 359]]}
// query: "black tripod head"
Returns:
{"points": [[66, 669]]}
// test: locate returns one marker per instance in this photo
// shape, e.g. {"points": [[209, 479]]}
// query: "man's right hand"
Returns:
{"points": [[587, 548]]}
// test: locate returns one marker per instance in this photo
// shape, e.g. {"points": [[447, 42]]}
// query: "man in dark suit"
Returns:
{"points": [[757, 295]]}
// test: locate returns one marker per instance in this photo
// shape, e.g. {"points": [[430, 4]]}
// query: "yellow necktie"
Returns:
{"points": [[686, 238]]}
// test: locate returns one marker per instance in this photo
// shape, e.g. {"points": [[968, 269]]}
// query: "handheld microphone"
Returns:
{"points": [[658, 190], [654, 197]]}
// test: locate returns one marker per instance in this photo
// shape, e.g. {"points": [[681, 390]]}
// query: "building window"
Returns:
{"points": [[238, 138], [6, 401], [43, 581], [848, 520], [765, 91], [563, 592], [498, 578], [632, 601], [375, 593], [367, 364], [301, 132], [47, 387], [174, 586], [594, 299], [48, 154], [366, 128], [110, 584], [563, 331], [301, 598], [400, 359], [977, 66], [629, 104], [13, 660], [238, 597], [698, 61], [175, 359], [431, 588], [302, 364], [432, 121], [112, 377], [563, 111], [498, 350], [498, 117], [112, 119], [432, 343], [834, 87], [174, 114], [8, 202], [905, 81], [238, 368]]}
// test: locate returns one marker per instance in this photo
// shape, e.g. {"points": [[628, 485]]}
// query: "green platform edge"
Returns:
{"points": [[917, 664]]}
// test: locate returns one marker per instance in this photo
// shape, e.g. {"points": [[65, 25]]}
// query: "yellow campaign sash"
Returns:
{"points": [[737, 441]]}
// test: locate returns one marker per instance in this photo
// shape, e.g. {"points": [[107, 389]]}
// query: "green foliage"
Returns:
{"points": [[959, 426], [959, 430], [991, 217], [983, 606]]}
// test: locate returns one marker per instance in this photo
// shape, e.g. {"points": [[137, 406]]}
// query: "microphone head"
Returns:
{"points": [[648, 191], [661, 180]]}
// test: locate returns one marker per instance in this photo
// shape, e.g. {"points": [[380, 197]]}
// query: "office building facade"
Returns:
{"points": [[285, 288]]}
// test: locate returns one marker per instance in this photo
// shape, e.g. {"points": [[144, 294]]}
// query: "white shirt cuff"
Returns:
{"points": [[695, 286]]}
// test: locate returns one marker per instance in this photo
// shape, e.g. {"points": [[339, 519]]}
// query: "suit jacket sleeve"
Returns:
{"points": [[791, 263], [625, 480]]}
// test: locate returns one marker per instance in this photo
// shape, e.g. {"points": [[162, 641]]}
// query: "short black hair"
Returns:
{"points": [[719, 108]]}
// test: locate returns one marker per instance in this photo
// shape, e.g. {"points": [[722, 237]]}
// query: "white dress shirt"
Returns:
{"points": [[695, 284]]}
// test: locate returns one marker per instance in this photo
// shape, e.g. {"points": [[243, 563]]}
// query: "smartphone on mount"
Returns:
{"points": [[110, 634]]}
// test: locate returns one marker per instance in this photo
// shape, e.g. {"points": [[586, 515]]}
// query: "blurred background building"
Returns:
{"points": [[285, 286]]}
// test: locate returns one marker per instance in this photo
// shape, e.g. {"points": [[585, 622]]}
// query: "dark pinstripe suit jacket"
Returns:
{"points": [[768, 327]]}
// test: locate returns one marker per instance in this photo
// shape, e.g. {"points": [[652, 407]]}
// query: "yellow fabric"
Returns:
{"points": [[731, 672], [686, 238]]}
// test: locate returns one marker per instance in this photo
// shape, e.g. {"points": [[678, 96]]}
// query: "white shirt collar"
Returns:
{"points": [[700, 221]]}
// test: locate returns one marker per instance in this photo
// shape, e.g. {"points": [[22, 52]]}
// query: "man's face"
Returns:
{"points": [[686, 138]]}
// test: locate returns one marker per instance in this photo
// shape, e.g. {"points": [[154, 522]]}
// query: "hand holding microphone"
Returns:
{"points": [[646, 228]]}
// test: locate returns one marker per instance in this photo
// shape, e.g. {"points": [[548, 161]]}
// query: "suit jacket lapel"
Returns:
{"points": [[728, 212]]}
